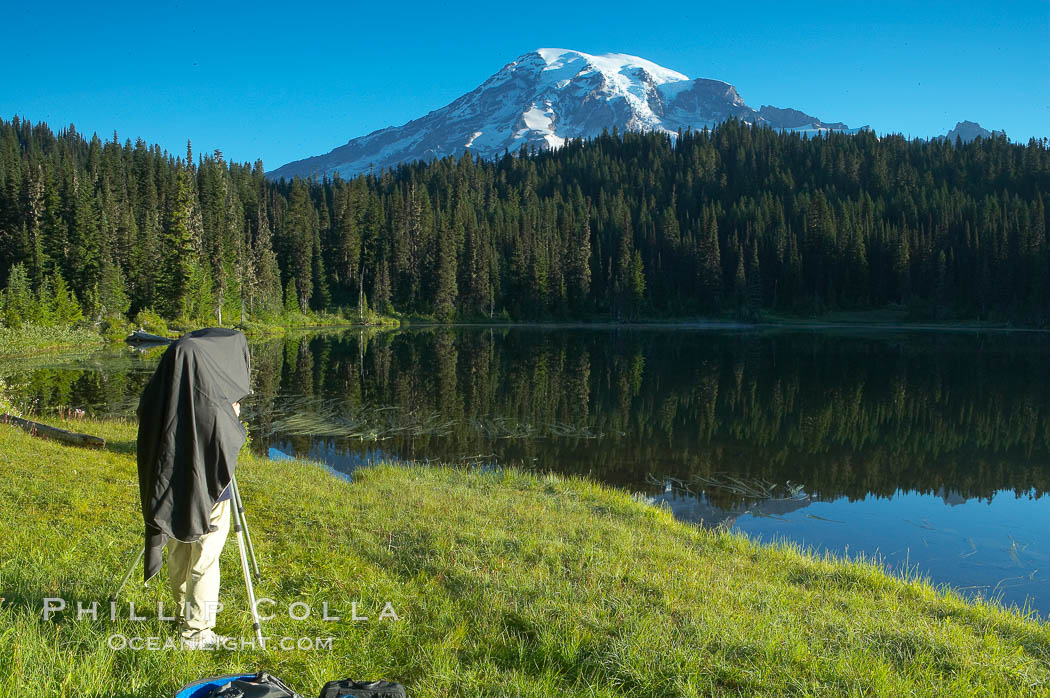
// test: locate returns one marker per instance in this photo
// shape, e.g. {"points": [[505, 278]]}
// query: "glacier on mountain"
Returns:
{"points": [[546, 97]]}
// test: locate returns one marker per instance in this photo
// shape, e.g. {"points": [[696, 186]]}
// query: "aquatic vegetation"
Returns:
{"points": [[742, 487], [310, 416]]}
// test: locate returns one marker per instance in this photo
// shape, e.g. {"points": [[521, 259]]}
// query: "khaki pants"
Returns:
{"points": [[194, 572]]}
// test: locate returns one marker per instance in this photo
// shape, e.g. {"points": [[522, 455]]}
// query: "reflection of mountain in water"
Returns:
{"points": [[698, 508], [951, 497], [344, 463]]}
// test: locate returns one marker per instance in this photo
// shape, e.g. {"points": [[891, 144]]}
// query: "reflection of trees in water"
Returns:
{"points": [[842, 414], [107, 385], [846, 415]]}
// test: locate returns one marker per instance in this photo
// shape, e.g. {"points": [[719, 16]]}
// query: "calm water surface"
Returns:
{"points": [[928, 450]]}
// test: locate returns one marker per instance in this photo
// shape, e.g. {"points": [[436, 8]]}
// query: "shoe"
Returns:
{"points": [[206, 640]]}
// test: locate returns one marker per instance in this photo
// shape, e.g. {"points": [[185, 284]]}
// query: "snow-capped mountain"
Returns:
{"points": [[547, 96]]}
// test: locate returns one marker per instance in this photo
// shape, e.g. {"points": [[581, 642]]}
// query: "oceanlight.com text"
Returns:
{"points": [[120, 642]]}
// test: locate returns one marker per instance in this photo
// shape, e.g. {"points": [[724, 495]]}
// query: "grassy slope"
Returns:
{"points": [[507, 585]]}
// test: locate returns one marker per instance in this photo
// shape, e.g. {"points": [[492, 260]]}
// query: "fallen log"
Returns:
{"points": [[54, 433], [141, 337]]}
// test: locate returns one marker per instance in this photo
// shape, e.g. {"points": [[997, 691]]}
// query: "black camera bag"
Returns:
{"points": [[363, 689]]}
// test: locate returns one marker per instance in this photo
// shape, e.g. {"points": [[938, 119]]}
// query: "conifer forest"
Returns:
{"points": [[734, 222]]}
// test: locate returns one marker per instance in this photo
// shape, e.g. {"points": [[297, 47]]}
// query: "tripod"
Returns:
{"points": [[244, 547]]}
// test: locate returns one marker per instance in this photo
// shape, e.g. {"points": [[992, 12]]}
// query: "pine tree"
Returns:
{"points": [[300, 230], [263, 276], [291, 297], [347, 241], [54, 230], [754, 282], [637, 285], [18, 303], [709, 262], [321, 298], [739, 280], [579, 267], [181, 259], [446, 291], [112, 291], [65, 310], [85, 239]]}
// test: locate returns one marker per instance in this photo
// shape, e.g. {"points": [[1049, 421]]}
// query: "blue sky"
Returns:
{"points": [[289, 80]]}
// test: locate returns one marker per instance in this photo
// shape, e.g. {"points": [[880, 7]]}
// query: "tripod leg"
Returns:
{"points": [[239, 504], [142, 551], [256, 625]]}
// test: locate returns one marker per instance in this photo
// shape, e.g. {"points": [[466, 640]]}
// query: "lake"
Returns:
{"points": [[927, 450]]}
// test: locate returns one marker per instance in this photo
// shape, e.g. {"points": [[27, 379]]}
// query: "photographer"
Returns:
{"points": [[189, 437]]}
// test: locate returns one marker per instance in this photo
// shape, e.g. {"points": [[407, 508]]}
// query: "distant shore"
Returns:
{"points": [[32, 340]]}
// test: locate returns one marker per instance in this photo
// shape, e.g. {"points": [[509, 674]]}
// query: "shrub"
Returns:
{"points": [[115, 327], [151, 321]]}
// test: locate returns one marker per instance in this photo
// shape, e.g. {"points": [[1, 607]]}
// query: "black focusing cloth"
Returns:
{"points": [[189, 435]]}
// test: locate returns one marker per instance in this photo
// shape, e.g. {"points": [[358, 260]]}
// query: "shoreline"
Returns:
{"points": [[32, 341], [724, 325]]}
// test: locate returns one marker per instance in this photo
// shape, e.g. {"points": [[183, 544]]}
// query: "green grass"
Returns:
{"points": [[275, 325], [507, 584], [341, 317], [33, 339]]}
